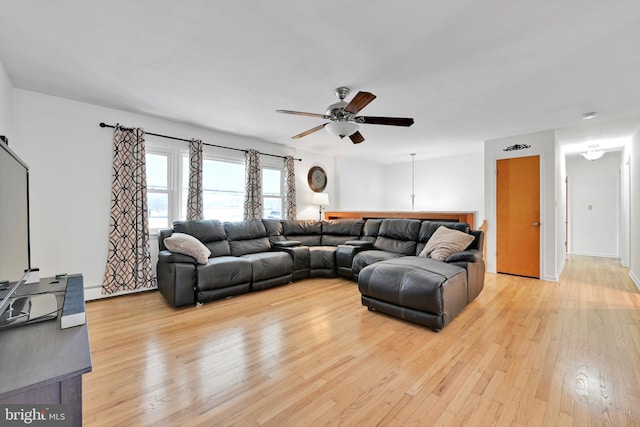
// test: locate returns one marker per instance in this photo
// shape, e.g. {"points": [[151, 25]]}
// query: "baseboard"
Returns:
{"points": [[634, 279], [599, 255], [95, 292]]}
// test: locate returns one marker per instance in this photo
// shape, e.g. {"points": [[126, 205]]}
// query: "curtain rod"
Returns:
{"points": [[104, 125]]}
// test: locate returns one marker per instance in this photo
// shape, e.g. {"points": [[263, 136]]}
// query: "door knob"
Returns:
{"points": [[535, 224]]}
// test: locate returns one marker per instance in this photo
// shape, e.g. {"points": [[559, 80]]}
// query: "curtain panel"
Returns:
{"points": [[194, 197], [253, 186], [129, 258], [289, 188]]}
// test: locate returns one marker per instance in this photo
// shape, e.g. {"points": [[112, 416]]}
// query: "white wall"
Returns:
{"points": [[542, 144], [594, 205], [307, 210], [634, 211], [360, 185], [6, 104], [69, 157], [352, 184], [446, 184]]}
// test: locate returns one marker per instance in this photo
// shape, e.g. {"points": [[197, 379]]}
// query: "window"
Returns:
{"points": [[271, 193], [158, 200], [223, 189], [223, 184]]}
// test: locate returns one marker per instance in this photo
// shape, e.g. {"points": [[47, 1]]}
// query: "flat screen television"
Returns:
{"points": [[15, 251]]}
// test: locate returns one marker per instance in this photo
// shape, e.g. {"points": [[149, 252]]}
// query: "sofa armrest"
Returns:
{"points": [[470, 255], [344, 257], [301, 259], [359, 243], [173, 257], [176, 280], [286, 243], [472, 261]]}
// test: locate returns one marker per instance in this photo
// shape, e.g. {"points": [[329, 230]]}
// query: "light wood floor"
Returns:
{"points": [[525, 352]]}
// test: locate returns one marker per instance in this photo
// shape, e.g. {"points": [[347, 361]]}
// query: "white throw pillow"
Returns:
{"points": [[445, 242], [188, 245]]}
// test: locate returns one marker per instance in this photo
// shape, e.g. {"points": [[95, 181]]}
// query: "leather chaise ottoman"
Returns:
{"points": [[416, 289]]}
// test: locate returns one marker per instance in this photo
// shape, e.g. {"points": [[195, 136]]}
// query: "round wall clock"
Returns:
{"points": [[317, 179]]}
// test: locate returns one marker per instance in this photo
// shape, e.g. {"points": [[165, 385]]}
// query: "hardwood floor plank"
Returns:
{"points": [[525, 352]]}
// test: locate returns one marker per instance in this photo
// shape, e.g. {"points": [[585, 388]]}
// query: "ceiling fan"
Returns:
{"points": [[344, 121]]}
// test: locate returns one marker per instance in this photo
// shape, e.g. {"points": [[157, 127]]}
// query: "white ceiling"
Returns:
{"points": [[466, 71]]}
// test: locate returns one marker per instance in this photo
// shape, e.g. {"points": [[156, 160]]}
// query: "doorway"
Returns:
{"points": [[596, 203], [518, 216]]}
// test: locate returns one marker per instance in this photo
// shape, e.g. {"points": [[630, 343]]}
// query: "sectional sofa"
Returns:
{"points": [[382, 255]]}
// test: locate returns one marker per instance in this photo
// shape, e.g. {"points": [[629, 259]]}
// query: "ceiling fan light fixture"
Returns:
{"points": [[342, 129]]}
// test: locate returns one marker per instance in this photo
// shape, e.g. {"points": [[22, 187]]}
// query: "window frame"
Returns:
{"points": [[206, 155], [280, 169], [152, 147]]}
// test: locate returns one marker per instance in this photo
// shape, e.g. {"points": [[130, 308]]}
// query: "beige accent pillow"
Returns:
{"points": [[188, 245], [445, 242]]}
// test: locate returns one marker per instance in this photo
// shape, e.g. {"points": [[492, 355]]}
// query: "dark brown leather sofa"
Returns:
{"points": [[254, 255]]}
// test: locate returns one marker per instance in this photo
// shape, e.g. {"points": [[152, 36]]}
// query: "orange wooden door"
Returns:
{"points": [[518, 216]]}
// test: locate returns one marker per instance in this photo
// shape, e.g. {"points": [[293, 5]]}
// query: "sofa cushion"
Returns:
{"points": [[365, 258], [208, 231], [308, 232], [222, 272], [336, 233], [370, 230], [247, 237], [274, 230], [188, 245], [267, 265], [444, 242], [322, 257], [398, 235]]}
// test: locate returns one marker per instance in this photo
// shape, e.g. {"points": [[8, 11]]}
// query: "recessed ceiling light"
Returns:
{"points": [[587, 116], [593, 153]]}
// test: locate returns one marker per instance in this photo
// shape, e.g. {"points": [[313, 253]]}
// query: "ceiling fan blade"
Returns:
{"points": [[357, 138], [307, 132], [361, 100], [391, 121], [301, 113]]}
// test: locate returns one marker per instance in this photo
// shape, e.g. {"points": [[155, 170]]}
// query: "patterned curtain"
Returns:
{"points": [[194, 198], [129, 259], [289, 188], [253, 186]]}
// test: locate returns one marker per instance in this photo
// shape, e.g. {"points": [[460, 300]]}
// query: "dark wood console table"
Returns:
{"points": [[468, 217], [43, 364]]}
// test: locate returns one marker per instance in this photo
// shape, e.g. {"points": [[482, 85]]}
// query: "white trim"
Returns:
{"points": [[544, 220], [560, 268], [595, 254], [634, 279]]}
